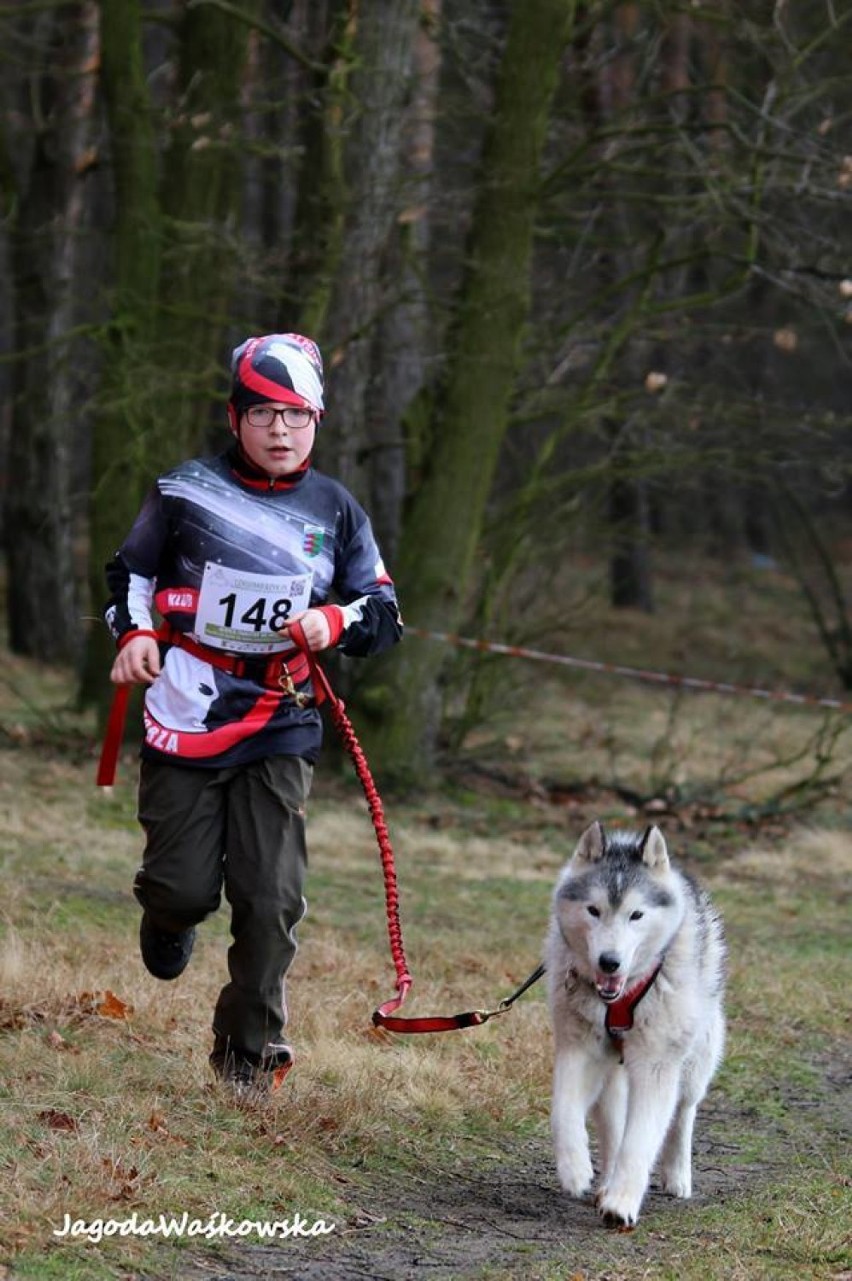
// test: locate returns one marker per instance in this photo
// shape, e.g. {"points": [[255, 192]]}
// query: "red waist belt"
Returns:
{"points": [[274, 672]]}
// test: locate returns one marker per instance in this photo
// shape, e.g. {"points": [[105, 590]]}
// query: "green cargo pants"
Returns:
{"points": [[241, 829]]}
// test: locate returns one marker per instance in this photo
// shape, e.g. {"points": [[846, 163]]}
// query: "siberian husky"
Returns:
{"points": [[635, 960]]}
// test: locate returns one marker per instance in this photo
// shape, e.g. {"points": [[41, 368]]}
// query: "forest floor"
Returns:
{"points": [[499, 1214], [431, 1156]]}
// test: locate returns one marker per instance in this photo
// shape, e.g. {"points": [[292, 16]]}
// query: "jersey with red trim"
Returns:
{"points": [[209, 552]]}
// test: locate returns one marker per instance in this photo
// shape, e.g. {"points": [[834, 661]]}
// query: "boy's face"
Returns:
{"points": [[276, 448]]}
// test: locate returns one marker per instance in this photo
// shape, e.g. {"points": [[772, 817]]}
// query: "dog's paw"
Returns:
{"points": [[575, 1173], [618, 1210], [677, 1181]]}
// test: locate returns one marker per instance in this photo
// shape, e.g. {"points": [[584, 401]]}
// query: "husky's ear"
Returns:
{"points": [[590, 846], [654, 851]]}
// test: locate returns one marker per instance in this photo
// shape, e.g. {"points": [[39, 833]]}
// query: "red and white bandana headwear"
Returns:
{"points": [[282, 367]]}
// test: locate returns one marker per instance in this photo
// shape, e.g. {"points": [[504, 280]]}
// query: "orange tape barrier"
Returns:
{"points": [[633, 673]]}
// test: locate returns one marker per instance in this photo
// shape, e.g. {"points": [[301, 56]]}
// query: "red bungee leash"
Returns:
{"points": [[384, 1016], [324, 692]]}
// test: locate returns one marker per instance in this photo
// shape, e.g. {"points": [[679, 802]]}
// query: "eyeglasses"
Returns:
{"points": [[291, 415]]}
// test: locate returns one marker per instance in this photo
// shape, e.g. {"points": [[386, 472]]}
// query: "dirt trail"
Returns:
{"points": [[505, 1216]]}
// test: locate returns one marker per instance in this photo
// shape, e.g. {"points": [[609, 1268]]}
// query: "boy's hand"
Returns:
{"points": [[138, 663], [315, 626]]}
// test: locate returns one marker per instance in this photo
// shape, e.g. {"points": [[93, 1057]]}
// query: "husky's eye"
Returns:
{"points": [[636, 916], [593, 911]]}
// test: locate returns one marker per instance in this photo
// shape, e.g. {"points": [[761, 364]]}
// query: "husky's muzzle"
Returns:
{"points": [[609, 983]]}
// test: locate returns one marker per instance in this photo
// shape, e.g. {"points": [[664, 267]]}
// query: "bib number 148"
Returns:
{"points": [[256, 616], [248, 613]]}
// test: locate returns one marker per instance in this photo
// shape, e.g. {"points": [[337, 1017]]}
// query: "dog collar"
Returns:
{"points": [[619, 1014]]}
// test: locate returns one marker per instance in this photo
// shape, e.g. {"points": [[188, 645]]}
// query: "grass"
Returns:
{"points": [[433, 1148]]}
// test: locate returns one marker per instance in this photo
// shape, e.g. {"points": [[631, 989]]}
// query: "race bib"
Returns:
{"points": [[245, 613]]}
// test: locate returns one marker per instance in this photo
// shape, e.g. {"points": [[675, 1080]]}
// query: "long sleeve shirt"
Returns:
{"points": [[225, 556]]}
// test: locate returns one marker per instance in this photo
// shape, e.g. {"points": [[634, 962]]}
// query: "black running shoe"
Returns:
{"points": [[166, 955], [250, 1076]]}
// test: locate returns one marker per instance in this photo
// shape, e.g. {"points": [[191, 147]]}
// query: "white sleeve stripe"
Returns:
{"points": [[354, 611], [140, 595]]}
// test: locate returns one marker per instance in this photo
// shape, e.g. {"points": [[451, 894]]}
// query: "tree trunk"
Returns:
{"points": [[44, 608], [630, 565], [173, 274], [322, 197], [201, 197], [382, 49], [127, 432], [630, 577], [438, 554], [404, 339]]}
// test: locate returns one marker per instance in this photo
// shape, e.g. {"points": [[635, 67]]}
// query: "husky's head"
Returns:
{"points": [[617, 905]]}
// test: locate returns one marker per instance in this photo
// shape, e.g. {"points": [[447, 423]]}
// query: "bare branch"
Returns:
{"points": [[266, 29]]}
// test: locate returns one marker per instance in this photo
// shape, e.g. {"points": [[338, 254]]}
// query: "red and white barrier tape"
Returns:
{"points": [[633, 673]]}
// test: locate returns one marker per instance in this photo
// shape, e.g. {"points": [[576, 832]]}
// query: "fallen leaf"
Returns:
{"points": [[379, 1034], [11, 1018], [57, 1120], [106, 1004], [278, 1077], [112, 1007], [127, 1181], [157, 1123]]}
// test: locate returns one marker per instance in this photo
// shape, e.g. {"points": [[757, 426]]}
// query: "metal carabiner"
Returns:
{"points": [[285, 680]]}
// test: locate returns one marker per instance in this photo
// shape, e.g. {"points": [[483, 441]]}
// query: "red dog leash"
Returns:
{"points": [[324, 693], [453, 1022], [384, 1016]]}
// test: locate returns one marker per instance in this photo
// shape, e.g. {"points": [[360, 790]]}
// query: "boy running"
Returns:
{"points": [[232, 551]]}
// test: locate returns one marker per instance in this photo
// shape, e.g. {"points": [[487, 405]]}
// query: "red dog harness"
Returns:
{"points": [[619, 1014]]}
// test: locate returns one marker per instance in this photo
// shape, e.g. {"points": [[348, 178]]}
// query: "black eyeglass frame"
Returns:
{"points": [[265, 411]]}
